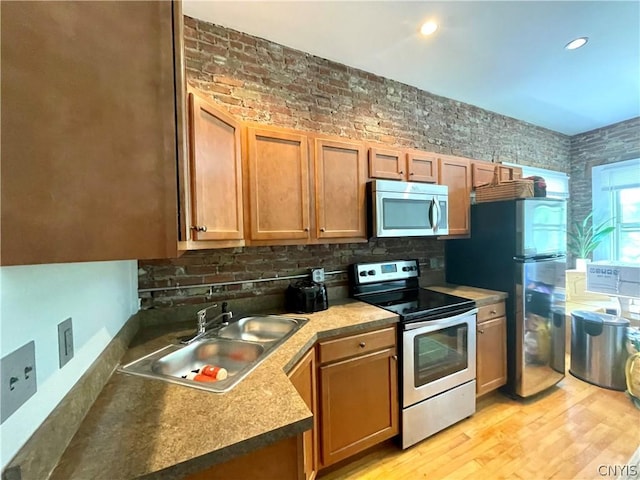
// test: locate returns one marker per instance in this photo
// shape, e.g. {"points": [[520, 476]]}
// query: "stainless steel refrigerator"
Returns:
{"points": [[519, 247]]}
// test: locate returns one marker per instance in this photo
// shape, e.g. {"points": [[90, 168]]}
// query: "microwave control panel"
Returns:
{"points": [[385, 271]]}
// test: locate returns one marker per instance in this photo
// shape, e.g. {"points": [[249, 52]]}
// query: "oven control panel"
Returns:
{"points": [[385, 271]]}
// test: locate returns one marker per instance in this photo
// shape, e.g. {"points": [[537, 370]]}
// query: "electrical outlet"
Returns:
{"points": [[18, 379], [65, 341], [317, 275], [433, 263]]}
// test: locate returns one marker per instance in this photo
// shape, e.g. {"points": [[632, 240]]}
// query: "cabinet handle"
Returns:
{"points": [[480, 331], [306, 229], [401, 172], [362, 344], [322, 230], [410, 173], [493, 312], [395, 357], [199, 228]]}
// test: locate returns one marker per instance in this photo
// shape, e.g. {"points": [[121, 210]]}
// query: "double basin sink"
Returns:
{"points": [[238, 347]]}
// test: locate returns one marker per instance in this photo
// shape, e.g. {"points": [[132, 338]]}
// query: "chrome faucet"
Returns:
{"points": [[221, 320]]}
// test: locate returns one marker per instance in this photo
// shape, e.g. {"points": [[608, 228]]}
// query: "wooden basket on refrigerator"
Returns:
{"points": [[503, 190]]}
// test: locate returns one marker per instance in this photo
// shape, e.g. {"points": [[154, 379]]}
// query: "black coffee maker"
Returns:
{"points": [[306, 296]]}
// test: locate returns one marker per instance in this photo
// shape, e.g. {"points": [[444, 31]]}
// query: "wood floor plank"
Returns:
{"points": [[566, 433]]}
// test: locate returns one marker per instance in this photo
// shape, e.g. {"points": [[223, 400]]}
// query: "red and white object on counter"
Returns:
{"points": [[218, 373], [198, 377]]}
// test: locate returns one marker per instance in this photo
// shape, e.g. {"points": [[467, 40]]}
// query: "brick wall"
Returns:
{"points": [[257, 80], [253, 263], [614, 143]]}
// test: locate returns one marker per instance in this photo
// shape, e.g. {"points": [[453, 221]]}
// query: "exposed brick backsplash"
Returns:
{"points": [[251, 263], [260, 81]]}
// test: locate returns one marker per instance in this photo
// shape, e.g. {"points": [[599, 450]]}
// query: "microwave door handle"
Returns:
{"points": [[434, 212]]}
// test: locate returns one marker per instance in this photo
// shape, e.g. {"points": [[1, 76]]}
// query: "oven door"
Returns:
{"points": [[408, 215], [437, 355]]}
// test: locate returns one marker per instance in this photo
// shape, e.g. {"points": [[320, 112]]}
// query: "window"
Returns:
{"points": [[616, 197]]}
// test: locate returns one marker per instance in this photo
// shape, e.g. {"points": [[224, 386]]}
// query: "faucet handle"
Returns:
{"points": [[225, 307]]}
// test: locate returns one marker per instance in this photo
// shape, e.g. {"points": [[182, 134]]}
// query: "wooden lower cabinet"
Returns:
{"points": [[303, 378], [279, 461], [491, 355], [358, 399]]}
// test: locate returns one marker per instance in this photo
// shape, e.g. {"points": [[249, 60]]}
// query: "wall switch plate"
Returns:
{"points": [[65, 341], [18, 379], [317, 275]]}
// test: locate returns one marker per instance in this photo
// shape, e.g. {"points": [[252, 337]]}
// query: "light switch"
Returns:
{"points": [[65, 341]]}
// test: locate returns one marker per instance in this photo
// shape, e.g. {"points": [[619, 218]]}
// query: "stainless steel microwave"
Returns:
{"points": [[408, 209]]}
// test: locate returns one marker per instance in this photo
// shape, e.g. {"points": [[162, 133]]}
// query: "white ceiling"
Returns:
{"points": [[504, 56]]}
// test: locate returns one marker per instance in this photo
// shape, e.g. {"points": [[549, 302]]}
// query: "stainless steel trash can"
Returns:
{"points": [[598, 352]]}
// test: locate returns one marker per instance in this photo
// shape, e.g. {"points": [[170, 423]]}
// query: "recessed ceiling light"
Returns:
{"points": [[428, 28], [577, 43]]}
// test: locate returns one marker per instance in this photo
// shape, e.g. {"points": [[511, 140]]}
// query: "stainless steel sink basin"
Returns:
{"points": [[259, 329], [228, 354], [239, 348]]}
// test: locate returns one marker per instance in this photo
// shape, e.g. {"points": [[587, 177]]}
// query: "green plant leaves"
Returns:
{"points": [[584, 238]]}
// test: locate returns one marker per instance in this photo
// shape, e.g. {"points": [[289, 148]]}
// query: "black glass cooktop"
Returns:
{"points": [[419, 303]]}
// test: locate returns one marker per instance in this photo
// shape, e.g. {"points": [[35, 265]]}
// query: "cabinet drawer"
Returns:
{"points": [[345, 347], [491, 311]]}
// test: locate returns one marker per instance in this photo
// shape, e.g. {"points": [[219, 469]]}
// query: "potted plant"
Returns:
{"points": [[584, 237]]}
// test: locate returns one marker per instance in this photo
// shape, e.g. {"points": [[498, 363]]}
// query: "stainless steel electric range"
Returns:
{"points": [[437, 348]]}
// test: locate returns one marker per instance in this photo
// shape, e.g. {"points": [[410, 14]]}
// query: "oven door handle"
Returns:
{"points": [[440, 323]]}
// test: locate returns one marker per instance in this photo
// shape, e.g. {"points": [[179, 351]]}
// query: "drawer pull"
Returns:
{"points": [[493, 312], [395, 357], [480, 331], [362, 344]]}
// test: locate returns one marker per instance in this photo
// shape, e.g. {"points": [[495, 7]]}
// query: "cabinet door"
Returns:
{"points": [[88, 131], [280, 460], [340, 180], [510, 173], [482, 173], [422, 167], [303, 378], [216, 173], [358, 404], [455, 172], [491, 361], [278, 165], [386, 163]]}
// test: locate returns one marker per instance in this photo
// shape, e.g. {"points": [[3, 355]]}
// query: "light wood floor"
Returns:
{"points": [[564, 433]]}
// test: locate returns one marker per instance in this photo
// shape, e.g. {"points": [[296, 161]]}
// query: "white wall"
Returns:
{"points": [[99, 296]]}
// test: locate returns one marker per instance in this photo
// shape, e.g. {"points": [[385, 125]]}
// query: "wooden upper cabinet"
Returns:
{"points": [[481, 173], [422, 167], [455, 172], [88, 131], [340, 180], [510, 173], [278, 179], [216, 173], [387, 163], [407, 165]]}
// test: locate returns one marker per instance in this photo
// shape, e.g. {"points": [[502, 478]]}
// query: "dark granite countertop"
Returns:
{"points": [[153, 429]]}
